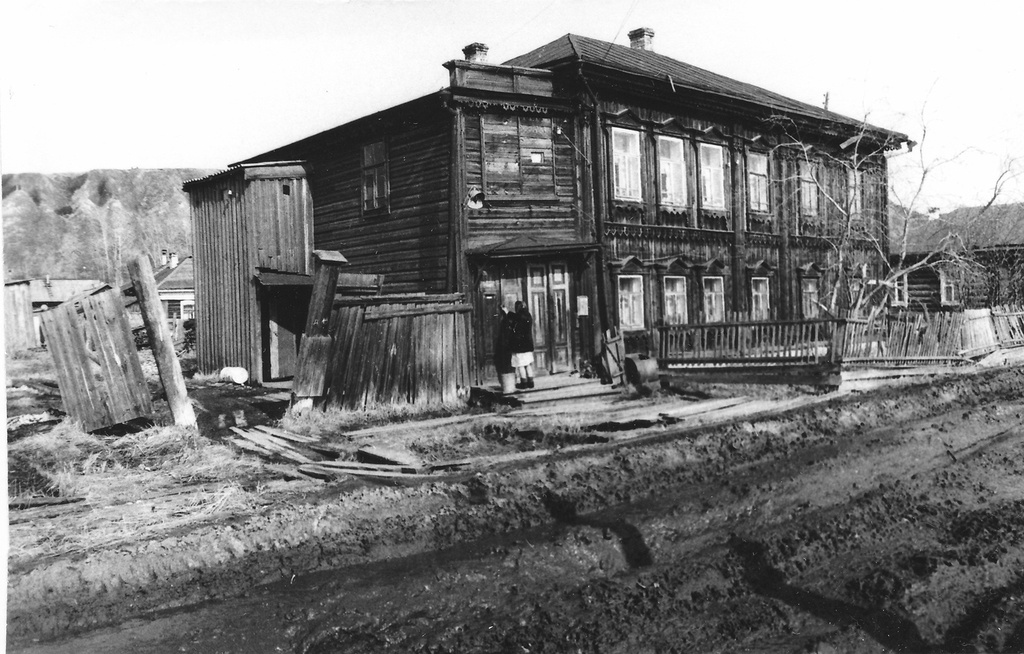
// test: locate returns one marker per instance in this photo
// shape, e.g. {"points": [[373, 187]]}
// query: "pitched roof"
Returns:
{"points": [[55, 291], [996, 226], [181, 276], [676, 75]]}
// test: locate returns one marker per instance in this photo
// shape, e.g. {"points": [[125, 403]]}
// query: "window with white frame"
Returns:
{"points": [[675, 301], [947, 287], [671, 171], [626, 164], [375, 176], [712, 176], [631, 302], [760, 307], [757, 181], [855, 188], [900, 291], [809, 306], [808, 191], [714, 299]]}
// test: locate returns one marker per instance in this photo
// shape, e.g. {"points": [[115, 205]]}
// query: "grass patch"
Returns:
{"points": [[334, 421]]}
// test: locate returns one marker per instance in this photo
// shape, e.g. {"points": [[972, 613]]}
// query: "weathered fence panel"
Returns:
{"points": [[398, 350], [911, 337], [978, 336], [98, 368], [1008, 324], [777, 352], [19, 328]]}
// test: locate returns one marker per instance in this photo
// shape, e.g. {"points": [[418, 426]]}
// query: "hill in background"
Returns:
{"points": [[90, 225]]}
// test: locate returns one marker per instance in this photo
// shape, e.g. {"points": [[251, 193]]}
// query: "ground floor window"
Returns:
{"points": [[714, 299], [675, 301], [631, 302], [809, 307], [760, 309], [947, 287], [173, 309]]}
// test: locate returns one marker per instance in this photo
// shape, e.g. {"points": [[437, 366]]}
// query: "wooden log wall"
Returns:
{"points": [[786, 241], [19, 328], [408, 241], [398, 350], [98, 370]]}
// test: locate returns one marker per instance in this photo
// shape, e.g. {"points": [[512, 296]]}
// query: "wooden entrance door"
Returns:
{"points": [[545, 288]]}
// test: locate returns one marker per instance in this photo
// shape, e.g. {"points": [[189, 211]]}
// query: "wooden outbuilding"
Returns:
{"points": [[252, 228], [606, 186]]}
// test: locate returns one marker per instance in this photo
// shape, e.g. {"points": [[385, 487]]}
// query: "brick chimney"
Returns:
{"points": [[163, 257], [476, 53], [642, 39], [174, 260]]}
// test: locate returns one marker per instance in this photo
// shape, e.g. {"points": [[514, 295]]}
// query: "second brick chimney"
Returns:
{"points": [[475, 52], [642, 39]]}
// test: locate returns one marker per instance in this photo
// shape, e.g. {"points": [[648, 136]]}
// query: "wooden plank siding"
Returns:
{"points": [[19, 327], [241, 220], [541, 199], [409, 242]]}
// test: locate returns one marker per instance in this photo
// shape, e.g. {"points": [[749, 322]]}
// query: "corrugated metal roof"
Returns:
{"points": [[649, 64]]}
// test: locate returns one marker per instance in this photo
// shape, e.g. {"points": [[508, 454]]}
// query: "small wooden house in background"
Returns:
{"points": [[975, 255], [606, 186]]}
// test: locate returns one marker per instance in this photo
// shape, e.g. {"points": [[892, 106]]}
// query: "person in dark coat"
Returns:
{"points": [[503, 343], [521, 345]]}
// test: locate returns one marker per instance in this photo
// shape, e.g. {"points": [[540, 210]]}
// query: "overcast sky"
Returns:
{"points": [[204, 83]]}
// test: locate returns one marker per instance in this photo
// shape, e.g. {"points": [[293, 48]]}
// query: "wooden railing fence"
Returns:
{"points": [[795, 341]]}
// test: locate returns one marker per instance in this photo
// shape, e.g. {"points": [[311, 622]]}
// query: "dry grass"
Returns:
{"points": [[30, 364], [136, 486], [334, 421]]}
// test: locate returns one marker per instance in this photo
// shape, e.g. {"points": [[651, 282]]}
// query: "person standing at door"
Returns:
{"points": [[522, 345]]}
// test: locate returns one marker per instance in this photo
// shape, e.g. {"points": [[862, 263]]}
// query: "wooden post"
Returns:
{"points": [[317, 342], [167, 365]]}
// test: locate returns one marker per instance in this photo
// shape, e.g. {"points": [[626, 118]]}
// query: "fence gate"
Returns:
{"points": [[98, 369]]}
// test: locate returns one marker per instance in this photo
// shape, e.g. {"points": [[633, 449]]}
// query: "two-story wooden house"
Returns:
{"points": [[606, 186]]}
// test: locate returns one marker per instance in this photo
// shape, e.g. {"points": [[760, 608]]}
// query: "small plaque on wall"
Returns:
{"points": [[582, 305]]}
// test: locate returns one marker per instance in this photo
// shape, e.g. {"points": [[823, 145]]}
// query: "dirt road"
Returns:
{"points": [[892, 521]]}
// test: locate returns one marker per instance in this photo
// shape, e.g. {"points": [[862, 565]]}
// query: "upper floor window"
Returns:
{"points": [[631, 302], [712, 176], [518, 156], [675, 301], [760, 308], [808, 191], [626, 164], [757, 181], [855, 189], [809, 307], [714, 299], [671, 171], [375, 176]]}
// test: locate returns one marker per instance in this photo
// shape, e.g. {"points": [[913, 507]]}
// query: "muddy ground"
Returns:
{"points": [[890, 520]]}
